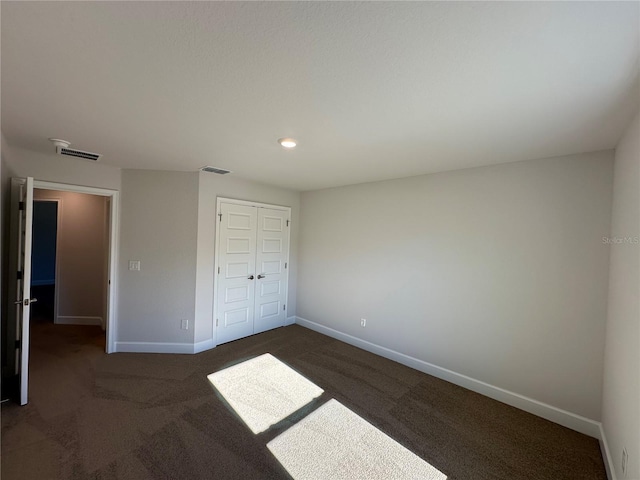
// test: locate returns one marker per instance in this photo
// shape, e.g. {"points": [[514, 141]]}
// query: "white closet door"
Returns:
{"points": [[236, 280], [272, 272]]}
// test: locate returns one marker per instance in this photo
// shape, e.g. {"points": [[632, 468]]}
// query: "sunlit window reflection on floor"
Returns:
{"points": [[264, 391], [334, 442]]}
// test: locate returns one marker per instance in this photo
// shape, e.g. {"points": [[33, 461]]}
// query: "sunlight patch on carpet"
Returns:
{"points": [[264, 391], [334, 442]]}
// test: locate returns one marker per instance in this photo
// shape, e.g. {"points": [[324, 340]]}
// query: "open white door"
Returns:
{"points": [[23, 298]]}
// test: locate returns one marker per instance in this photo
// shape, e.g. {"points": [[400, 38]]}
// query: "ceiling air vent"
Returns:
{"points": [[80, 154], [62, 148], [219, 171]]}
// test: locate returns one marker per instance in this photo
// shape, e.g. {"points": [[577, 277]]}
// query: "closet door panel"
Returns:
{"points": [[237, 264], [272, 270]]}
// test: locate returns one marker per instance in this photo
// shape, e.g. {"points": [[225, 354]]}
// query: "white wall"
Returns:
{"points": [[19, 162], [167, 221], [57, 168], [498, 273], [158, 227], [81, 252], [3, 276], [621, 394], [212, 186]]}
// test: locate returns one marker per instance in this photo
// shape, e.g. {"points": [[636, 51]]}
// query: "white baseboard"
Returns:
{"points": [[204, 345], [71, 320], [159, 347], [549, 412], [153, 347], [606, 456]]}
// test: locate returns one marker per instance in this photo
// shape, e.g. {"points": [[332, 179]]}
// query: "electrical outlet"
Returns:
{"points": [[184, 324], [625, 461], [363, 322]]}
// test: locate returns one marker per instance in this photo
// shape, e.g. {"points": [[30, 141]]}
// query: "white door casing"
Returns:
{"points": [[113, 197], [252, 249], [271, 264]]}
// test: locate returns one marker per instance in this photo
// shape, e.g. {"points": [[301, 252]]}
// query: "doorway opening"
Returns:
{"points": [[69, 264], [78, 285], [43, 258]]}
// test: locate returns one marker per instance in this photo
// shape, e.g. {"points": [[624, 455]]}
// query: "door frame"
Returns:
{"points": [[114, 214], [216, 264], [58, 202]]}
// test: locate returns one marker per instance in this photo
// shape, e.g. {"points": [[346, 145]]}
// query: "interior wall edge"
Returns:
{"points": [[204, 345], [607, 458]]}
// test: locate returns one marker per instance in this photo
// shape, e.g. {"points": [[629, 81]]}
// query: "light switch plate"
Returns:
{"points": [[134, 265]]}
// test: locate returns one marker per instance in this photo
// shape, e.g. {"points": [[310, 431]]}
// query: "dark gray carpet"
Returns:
{"points": [[138, 416]]}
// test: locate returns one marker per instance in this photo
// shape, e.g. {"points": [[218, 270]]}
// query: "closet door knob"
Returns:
{"points": [[251, 277], [261, 276]]}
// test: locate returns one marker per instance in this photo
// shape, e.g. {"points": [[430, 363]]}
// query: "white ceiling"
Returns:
{"points": [[371, 90]]}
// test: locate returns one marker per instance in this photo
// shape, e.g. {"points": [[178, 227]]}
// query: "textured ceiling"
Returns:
{"points": [[370, 90]]}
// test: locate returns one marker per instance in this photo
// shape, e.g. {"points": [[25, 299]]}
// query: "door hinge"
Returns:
{"points": [[287, 223], [285, 264], [218, 270], [284, 307], [220, 215], [20, 206], [19, 275], [216, 322]]}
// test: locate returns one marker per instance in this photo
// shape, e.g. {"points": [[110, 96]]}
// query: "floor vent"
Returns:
{"points": [[219, 171]]}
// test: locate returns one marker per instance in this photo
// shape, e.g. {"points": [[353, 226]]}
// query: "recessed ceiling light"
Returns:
{"points": [[287, 142]]}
